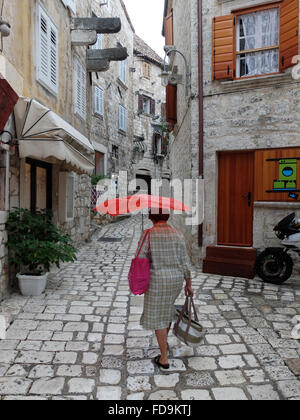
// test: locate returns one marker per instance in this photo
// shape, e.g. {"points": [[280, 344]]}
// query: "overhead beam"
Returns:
{"points": [[98, 60], [100, 25], [81, 38]]}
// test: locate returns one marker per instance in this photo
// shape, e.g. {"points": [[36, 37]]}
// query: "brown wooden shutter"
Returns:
{"points": [[289, 27], [141, 104], [152, 106], [8, 100], [223, 47], [168, 29], [171, 106]]}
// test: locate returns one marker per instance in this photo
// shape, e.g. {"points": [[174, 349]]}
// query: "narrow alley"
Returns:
{"points": [[82, 338]]}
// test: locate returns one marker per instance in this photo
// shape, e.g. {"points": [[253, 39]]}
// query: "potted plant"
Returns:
{"points": [[34, 244]]}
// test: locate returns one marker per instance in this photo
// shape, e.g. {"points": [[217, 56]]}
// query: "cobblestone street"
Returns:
{"points": [[82, 339]]}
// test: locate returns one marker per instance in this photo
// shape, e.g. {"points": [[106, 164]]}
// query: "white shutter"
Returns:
{"points": [[122, 71], [53, 58], [99, 103], [83, 92], [47, 51], [122, 118], [79, 89], [98, 45]]}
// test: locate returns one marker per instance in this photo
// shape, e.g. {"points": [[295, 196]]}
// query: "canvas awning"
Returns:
{"points": [[43, 135]]}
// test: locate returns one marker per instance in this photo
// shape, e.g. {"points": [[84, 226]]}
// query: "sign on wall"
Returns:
{"points": [[277, 175]]}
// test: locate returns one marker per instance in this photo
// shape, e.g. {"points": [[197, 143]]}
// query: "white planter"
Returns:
{"points": [[32, 285]]}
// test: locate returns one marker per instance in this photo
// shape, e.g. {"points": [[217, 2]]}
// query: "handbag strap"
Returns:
{"points": [[181, 315], [147, 234], [187, 308]]}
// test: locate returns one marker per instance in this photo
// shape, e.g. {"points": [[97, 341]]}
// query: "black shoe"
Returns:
{"points": [[156, 361]]}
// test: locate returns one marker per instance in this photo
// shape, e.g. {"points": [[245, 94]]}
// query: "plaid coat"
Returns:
{"points": [[170, 265]]}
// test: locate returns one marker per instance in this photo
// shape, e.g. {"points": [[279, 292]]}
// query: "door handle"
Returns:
{"points": [[249, 198]]}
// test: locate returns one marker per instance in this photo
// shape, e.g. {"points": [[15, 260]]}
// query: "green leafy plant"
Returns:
{"points": [[97, 178], [35, 243]]}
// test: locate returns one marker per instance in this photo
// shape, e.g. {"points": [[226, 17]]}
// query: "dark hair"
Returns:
{"points": [[159, 215]]}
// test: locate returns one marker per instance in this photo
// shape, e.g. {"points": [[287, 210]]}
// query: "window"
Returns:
{"points": [[122, 71], [160, 145], [146, 70], [115, 152], [79, 89], [255, 41], [122, 118], [98, 44], [146, 105], [66, 196], [38, 185], [47, 52], [98, 101], [258, 43]]}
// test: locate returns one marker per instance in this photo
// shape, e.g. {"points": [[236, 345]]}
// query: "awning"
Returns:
{"points": [[43, 134]]}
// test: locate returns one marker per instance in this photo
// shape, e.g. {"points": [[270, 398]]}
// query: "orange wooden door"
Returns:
{"points": [[235, 199]]}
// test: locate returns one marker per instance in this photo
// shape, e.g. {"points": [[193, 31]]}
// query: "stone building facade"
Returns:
{"points": [[245, 114], [150, 154], [113, 144], [43, 66], [184, 138]]}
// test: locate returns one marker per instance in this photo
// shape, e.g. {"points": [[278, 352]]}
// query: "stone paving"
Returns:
{"points": [[82, 338]]}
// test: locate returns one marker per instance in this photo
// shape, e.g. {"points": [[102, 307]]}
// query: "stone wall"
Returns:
{"points": [[143, 127], [238, 115], [184, 140], [248, 114], [105, 131]]}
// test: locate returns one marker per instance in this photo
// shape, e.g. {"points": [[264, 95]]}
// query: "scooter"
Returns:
{"points": [[274, 265]]}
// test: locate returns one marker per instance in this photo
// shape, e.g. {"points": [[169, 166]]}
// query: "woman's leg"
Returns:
{"points": [[162, 338]]}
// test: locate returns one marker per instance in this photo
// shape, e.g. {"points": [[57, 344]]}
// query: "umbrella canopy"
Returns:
{"points": [[126, 205]]}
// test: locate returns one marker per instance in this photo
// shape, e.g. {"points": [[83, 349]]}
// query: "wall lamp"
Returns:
{"points": [[165, 74]]}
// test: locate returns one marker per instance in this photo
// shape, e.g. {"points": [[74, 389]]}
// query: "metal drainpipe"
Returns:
{"points": [[7, 181], [200, 81]]}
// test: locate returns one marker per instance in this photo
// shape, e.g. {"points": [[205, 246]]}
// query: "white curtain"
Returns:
{"points": [[261, 29]]}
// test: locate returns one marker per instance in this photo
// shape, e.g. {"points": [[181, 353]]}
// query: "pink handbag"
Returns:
{"points": [[139, 274]]}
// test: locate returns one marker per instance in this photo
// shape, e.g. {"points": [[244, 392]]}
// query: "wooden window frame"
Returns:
{"points": [[146, 70], [250, 10]]}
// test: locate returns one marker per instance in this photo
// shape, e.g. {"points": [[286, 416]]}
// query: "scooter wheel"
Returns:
{"points": [[274, 267]]}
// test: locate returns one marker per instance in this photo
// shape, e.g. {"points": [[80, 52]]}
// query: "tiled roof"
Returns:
{"points": [[140, 47]]}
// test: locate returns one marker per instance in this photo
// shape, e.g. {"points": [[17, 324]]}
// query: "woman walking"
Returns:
{"points": [[165, 247]]}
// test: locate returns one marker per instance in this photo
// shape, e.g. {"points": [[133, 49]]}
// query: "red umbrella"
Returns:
{"points": [[126, 205]]}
